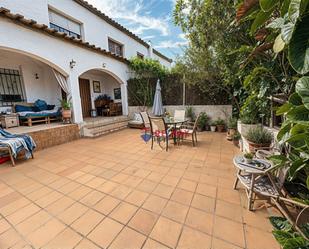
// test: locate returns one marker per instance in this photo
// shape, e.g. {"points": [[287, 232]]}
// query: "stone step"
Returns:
{"points": [[102, 128]]}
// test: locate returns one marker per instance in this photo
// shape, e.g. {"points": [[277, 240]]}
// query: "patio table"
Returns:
{"points": [[257, 168], [173, 123]]}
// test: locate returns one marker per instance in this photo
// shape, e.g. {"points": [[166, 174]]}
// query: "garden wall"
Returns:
{"points": [[213, 111]]}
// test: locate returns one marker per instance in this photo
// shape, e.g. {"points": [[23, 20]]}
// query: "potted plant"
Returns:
{"points": [[220, 125], [231, 128], [213, 126], [66, 109], [258, 137], [190, 113], [203, 119], [236, 137], [248, 157]]}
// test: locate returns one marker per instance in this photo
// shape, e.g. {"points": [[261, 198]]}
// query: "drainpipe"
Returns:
{"points": [[184, 91], [150, 50]]}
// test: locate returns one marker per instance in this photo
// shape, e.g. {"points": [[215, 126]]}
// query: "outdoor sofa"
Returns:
{"points": [[37, 112]]}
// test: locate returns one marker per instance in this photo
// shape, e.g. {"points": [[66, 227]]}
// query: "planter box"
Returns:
{"points": [[243, 130]]}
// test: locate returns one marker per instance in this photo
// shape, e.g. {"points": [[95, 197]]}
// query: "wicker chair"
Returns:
{"points": [[145, 119], [159, 131]]}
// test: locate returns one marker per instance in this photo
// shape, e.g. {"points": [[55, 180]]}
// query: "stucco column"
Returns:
{"points": [[75, 98], [124, 98]]}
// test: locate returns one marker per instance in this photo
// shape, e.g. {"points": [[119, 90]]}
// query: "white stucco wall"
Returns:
{"points": [[213, 111], [46, 87], [94, 29]]}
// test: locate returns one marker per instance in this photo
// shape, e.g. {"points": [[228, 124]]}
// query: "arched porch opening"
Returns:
{"points": [[26, 77], [102, 91]]}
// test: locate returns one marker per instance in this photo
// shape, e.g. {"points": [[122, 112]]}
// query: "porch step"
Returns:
{"points": [[98, 127]]}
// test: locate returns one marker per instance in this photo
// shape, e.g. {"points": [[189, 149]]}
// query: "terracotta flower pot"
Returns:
{"points": [[220, 128], [230, 133], [236, 143], [66, 114], [253, 147]]}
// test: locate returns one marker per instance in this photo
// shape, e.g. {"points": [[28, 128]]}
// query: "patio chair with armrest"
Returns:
{"points": [[179, 115], [145, 119], [274, 149], [189, 129], [159, 131]]}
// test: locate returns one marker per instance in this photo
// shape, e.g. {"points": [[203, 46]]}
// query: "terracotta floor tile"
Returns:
{"points": [[170, 180], [229, 211], [258, 219], [92, 198], [143, 221], [205, 189], [35, 195], [105, 232], [137, 197], [23, 213], [187, 185], [155, 204], [9, 198], [220, 244], [87, 222], [200, 220], [95, 182], [193, 239], [86, 244], [147, 186], [204, 203], [72, 213], [226, 230], [48, 199], [107, 187], [66, 239], [85, 178], [9, 238], [121, 192], [69, 187], [123, 212], [4, 225], [79, 193], [229, 195], [13, 206], [166, 231], [163, 191], [155, 177], [128, 239], [106, 205], [152, 244], [175, 211], [33, 222], [59, 205], [45, 233], [182, 196], [257, 239]]}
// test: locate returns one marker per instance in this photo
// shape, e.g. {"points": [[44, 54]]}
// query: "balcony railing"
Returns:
{"points": [[63, 30]]}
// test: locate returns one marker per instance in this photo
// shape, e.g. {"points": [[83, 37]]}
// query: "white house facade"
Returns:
{"points": [[43, 39]]}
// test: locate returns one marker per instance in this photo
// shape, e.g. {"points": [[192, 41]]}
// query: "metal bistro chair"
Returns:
{"points": [[190, 128], [159, 132]]}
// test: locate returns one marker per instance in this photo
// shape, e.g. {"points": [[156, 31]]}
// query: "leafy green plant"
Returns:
{"points": [[220, 121], [286, 236], [259, 135], [190, 113], [236, 136], [232, 123], [65, 104], [248, 155], [203, 120]]}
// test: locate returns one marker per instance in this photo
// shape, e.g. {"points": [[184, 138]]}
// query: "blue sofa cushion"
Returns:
{"points": [[50, 107], [23, 108], [41, 105]]}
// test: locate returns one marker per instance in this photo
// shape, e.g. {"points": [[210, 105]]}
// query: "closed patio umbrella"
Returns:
{"points": [[157, 108]]}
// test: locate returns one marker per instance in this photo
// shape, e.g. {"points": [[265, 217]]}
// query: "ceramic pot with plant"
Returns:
{"points": [[248, 157], [231, 128], [220, 125], [213, 126], [259, 138], [66, 109], [202, 121]]}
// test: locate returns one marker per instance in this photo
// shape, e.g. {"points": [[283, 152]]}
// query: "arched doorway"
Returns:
{"points": [[100, 90]]}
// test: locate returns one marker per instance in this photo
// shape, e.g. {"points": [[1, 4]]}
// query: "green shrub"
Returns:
{"points": [[220, 121], [259, 135], [248, 155], [190, 113], [232, 123], [203, 120]]}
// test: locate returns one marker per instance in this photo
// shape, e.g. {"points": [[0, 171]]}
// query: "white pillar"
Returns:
{"points": [[124, 98], [75, 98]]}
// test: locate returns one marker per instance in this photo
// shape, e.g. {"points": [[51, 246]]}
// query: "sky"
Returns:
{"points": [[151, 20]]}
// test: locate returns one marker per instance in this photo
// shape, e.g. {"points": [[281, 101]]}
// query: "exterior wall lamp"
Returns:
{"points": [[36, 75], [104, 65], [72, 63]]}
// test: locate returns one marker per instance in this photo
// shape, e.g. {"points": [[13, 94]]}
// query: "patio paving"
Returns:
{"points": [[114, 192]]}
